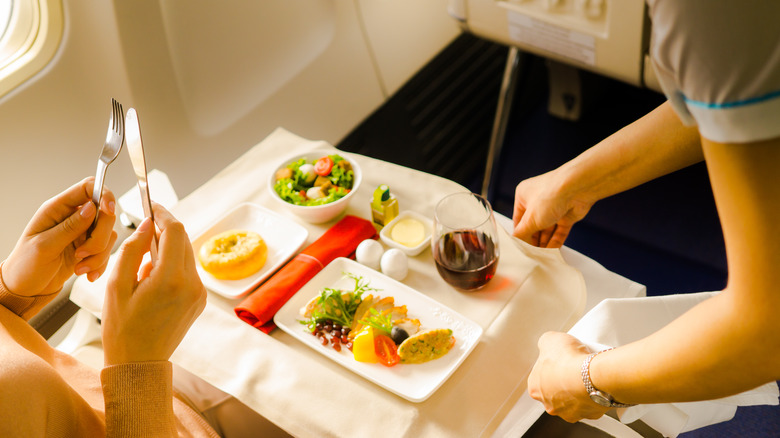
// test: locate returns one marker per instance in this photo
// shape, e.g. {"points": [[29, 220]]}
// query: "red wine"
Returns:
{"points": [[466, 259]]}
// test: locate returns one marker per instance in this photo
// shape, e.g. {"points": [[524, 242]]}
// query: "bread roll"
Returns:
{"points": [[233, 254]]}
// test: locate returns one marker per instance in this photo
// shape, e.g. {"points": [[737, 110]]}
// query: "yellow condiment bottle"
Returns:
{"points": [[384, 206]]}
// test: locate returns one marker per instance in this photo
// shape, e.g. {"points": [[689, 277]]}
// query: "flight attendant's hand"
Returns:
{"points": [[556, 381], [543, 215]]}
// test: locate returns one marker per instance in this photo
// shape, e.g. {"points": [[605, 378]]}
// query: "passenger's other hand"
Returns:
{"points": [[54, 244], [148, 310], [543, 215], [556, 381]]}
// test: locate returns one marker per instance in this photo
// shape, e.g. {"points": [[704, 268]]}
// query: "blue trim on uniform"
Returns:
{"points": [[734, 104]]}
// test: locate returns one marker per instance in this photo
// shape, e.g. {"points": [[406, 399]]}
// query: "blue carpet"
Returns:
{"points": [[749, 422]]}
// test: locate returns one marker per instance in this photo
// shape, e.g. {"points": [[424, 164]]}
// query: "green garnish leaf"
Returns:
{"points": [[338, 305], [378, 321]]}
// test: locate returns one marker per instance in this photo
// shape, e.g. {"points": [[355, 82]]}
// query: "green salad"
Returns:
{"points": [[317, 182]]}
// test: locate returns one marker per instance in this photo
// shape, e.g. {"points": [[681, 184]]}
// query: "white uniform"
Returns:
{"points": [[718, 62]]}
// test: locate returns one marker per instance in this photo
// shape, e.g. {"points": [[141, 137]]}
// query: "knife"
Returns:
{"points": [[136, 150]]}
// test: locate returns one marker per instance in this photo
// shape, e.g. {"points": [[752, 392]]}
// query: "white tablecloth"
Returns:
{"points": [[535, 290]]}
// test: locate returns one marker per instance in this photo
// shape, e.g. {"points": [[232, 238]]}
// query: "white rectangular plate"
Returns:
{"points": [[282, 236], [414, 382]]}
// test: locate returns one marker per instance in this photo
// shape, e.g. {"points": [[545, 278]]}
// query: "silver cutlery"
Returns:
{"points": [[111, 147], [135, 149]]}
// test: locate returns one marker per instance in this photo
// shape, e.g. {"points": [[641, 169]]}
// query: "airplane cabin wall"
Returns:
{"points": [[53, 125], [209, 80]]}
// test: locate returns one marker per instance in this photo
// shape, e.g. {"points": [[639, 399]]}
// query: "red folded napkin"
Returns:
{"points": [[341, 240]]}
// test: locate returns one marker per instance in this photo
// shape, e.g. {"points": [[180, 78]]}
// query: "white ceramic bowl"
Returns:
{"points": [[316, 214], [386, 233]]}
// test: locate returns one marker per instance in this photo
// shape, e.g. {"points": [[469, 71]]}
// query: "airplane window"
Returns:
{"points": [[30, 32], [5, 14]]}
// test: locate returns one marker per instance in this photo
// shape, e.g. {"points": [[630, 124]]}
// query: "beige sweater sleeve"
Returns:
{"points": [[25, 307], [139, 399]]}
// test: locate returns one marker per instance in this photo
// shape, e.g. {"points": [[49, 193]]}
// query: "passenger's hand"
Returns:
{"points": [[555, 379], [148, 310], [54, 245], [543, 215]]}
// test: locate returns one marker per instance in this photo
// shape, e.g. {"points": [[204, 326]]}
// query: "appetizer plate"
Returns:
{"points": [[414, 382], [282, 236]]}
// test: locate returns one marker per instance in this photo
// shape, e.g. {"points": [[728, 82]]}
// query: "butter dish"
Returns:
{"points": [[415, 237]]}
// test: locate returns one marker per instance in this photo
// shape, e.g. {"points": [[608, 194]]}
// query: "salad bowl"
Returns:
{"points": [[294, 191]]}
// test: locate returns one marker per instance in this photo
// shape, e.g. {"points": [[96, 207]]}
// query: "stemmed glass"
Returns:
{"points": [[465, 241]]}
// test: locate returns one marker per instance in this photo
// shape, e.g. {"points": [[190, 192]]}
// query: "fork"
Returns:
{"points": [[111, 147]]}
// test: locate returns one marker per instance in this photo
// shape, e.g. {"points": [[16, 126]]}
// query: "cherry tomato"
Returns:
{"points": [[386, 351], [323, 166]]}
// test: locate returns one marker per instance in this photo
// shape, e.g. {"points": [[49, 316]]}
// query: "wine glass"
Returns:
{"points": [[465, 241]]}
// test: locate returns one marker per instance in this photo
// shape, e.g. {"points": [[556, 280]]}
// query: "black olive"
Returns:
{"points": [[398, 335]]}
